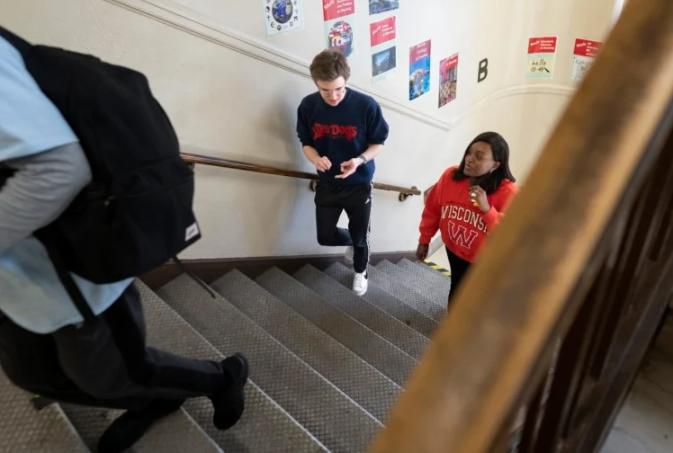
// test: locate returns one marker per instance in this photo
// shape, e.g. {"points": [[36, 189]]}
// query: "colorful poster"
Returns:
{"points": [[541, 56], [340, 35], [448, 79], [384, 61], [583, 57], [339, 18], [381, 6], [382, 36], [419, 69], [382, 31], [283, 15], [334, 9]]}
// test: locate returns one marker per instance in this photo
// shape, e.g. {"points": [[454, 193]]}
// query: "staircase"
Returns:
{"points": [[326, 365]]}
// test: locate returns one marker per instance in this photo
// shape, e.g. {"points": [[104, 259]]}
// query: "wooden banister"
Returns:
{"points": [[572, 277], [404, 192]]}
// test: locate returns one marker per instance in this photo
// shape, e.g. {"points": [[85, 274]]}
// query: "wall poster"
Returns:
{"points": [[382, 35], [448, 79], [381, 6], [283, 15], [419, 69], [339, 15], [583, 57], [541, 56]]}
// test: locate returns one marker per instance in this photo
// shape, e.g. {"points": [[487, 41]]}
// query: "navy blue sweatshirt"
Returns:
{"points": [[342, 132]]}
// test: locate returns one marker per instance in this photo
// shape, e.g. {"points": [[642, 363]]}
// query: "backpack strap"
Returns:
{"points": [[70, 285], [17, 42]]}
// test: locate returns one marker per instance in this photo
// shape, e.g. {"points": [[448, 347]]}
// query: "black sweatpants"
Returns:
{"points": [[105, 362], [330, 202], [458, 269]]}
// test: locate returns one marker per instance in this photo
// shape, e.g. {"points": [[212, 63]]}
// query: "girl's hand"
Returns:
{"points": [[478, 198], [422, 252]]}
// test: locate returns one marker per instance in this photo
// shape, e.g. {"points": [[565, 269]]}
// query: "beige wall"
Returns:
{"points": [[231, 91]]}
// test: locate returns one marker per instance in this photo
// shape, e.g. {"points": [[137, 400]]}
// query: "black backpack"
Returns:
{"points": [[137, 212]]}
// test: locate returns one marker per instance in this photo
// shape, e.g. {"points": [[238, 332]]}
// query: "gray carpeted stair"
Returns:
{"points": [[426, 273], [169, 331], [386, 357], [23, 429], [396, 332], [352, 375], [393, 285], [418, 283], [326, 412], [176, 432], [325, 365], [385, 301]]}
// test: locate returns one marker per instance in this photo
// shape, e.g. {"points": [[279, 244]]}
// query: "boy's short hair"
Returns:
{"points": [[329, 64]]}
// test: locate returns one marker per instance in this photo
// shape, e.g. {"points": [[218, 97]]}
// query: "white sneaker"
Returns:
{"points": [[360, 283], [348, 255]]}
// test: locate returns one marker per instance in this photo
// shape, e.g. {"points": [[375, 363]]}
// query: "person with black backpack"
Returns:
{"points": [[63, 335]]}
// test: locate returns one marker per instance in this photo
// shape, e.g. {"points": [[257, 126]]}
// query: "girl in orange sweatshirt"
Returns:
{"points": [[468, 202]]}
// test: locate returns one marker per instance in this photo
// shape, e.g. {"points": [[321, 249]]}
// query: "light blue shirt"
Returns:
{"points": [[31, 294]]}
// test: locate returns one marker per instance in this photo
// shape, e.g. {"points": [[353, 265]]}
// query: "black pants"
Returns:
{"points": [[458, 269], [330, 202], [104, 363]]}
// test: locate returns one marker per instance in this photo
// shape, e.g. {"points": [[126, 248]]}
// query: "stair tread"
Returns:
{"points": [[24, 429], [176, 432], [396, 332], [326, 412], [168, 330], [383, 355], [360, 381], [386, 301], [418, 301], [418, 282], [423, 269]]}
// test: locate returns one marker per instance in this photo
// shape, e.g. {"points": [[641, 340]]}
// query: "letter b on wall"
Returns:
{"points": [[483, 70]]}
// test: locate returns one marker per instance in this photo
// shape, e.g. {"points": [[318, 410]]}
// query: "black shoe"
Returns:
{"points": [[230, 402], [129, 427]]}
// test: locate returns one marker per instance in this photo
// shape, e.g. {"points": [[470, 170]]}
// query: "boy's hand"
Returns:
{"points": [[322, 163], [348, 167]]}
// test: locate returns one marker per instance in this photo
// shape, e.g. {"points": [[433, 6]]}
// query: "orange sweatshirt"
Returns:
{"points": [[462, 225]]}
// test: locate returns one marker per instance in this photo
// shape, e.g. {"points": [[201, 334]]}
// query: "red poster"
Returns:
{"points": [[586, 48], [419, 51], [333, 9], [545, 44], [382, 31]]}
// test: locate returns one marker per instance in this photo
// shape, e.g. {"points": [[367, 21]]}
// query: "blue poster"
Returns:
{"points": [[381, 6], [419, 69]]}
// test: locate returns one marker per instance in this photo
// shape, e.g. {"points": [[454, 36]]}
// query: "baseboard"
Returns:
{"points": [[211, 269]]}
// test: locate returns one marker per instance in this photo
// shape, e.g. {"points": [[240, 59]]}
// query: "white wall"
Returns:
{"points": [[232, 92]]}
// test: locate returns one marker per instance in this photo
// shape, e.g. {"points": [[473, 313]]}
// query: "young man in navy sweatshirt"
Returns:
{"points": [[342, 131]]}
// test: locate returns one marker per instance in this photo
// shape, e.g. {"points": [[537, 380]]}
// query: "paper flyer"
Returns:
{"points": [[381, 6], [541, 56], [334, 9], [419, 69], [448, 79], [384, 61], [283, 15], [382, 36], [583, 57], [382, 31], [339, 15]]}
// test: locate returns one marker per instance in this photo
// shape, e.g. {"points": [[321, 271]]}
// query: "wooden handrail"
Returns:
{"points": [[247, 166], [513, 314]]}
